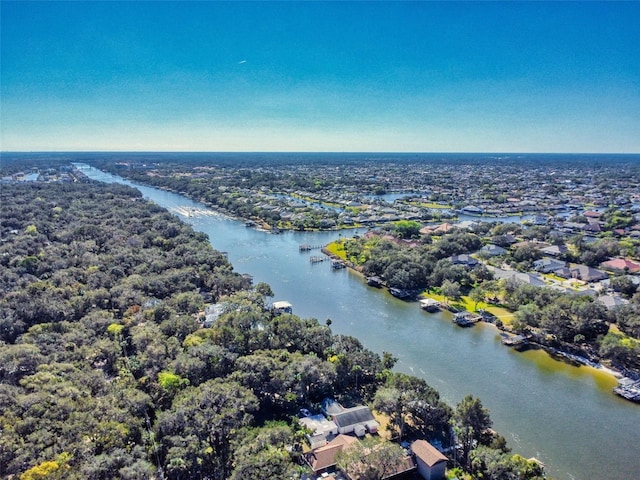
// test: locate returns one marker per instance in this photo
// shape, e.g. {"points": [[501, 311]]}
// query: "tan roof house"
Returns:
{"points": [[431, 463]]}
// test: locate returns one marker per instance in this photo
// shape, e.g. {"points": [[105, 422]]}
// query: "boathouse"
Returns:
{"points": [[431, 463], [429, 304], [282, 307]]}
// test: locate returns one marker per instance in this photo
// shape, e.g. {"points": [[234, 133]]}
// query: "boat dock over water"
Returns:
{"points": [[430, 305], [305, 247], [375, 281], [466, 319], [629, 389], [400, 293], [518, 342]]}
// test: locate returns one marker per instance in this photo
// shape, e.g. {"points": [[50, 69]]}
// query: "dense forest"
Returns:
{"points": [[106, 370]]}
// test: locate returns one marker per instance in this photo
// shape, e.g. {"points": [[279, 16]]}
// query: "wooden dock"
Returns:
{"points": [[305, 247], [466, 319]]}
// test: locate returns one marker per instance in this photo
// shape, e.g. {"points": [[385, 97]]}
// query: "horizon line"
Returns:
{"points": [[2, 152]]}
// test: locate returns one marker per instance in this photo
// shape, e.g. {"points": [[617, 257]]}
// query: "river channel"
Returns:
{"points": [[566, 416]]}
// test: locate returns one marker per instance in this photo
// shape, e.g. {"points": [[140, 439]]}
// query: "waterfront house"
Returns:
{"points": [[358, 420], [401, 468], [211, 314], [437, 229], [519, 277], [471, 210], [431, 463]]}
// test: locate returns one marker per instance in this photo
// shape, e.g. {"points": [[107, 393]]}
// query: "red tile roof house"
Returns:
{"points": [[620, 264], [431, 463], [323, 458]]}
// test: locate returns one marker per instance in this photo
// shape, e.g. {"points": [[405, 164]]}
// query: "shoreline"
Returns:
{"points": [[567, 355], [552, 352]]}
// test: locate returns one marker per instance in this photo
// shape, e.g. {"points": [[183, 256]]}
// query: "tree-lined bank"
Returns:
{"points": [[560, 413]]}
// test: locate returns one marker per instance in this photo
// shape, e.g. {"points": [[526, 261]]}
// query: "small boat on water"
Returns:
{"points": [[337, 264], [374, 281]]}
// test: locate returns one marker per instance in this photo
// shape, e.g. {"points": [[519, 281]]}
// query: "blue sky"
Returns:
{"points": [[321, 76]]}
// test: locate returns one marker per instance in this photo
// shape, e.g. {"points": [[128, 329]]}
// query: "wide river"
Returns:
{"points": [[566, 416]]}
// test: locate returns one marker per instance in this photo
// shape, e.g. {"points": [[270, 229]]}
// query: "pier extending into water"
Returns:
{"points": [[305, 247]]}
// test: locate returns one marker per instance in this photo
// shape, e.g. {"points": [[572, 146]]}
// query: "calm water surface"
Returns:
{"points": [[564, 415]]}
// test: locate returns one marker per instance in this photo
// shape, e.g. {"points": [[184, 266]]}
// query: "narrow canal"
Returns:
{"points": [[564, 415]]}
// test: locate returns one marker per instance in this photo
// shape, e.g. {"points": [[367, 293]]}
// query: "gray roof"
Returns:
{"points": [[612, 301], [518, 277], [493, 249], [353, 416]]}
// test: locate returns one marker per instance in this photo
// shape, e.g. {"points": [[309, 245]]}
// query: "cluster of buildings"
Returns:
{"points": [[551, 271], [335, 192], [64, 174], [337, 429]]}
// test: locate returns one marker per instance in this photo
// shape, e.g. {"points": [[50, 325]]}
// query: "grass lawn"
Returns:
{"points": [[466, 303], [383, 430], [336, 248]]}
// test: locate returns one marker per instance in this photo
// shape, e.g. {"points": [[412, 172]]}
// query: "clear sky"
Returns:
{"points": [[321, 76]]}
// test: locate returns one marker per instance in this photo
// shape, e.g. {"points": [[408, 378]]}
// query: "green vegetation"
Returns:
{"points": [[105, 370], [573, 323]]}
